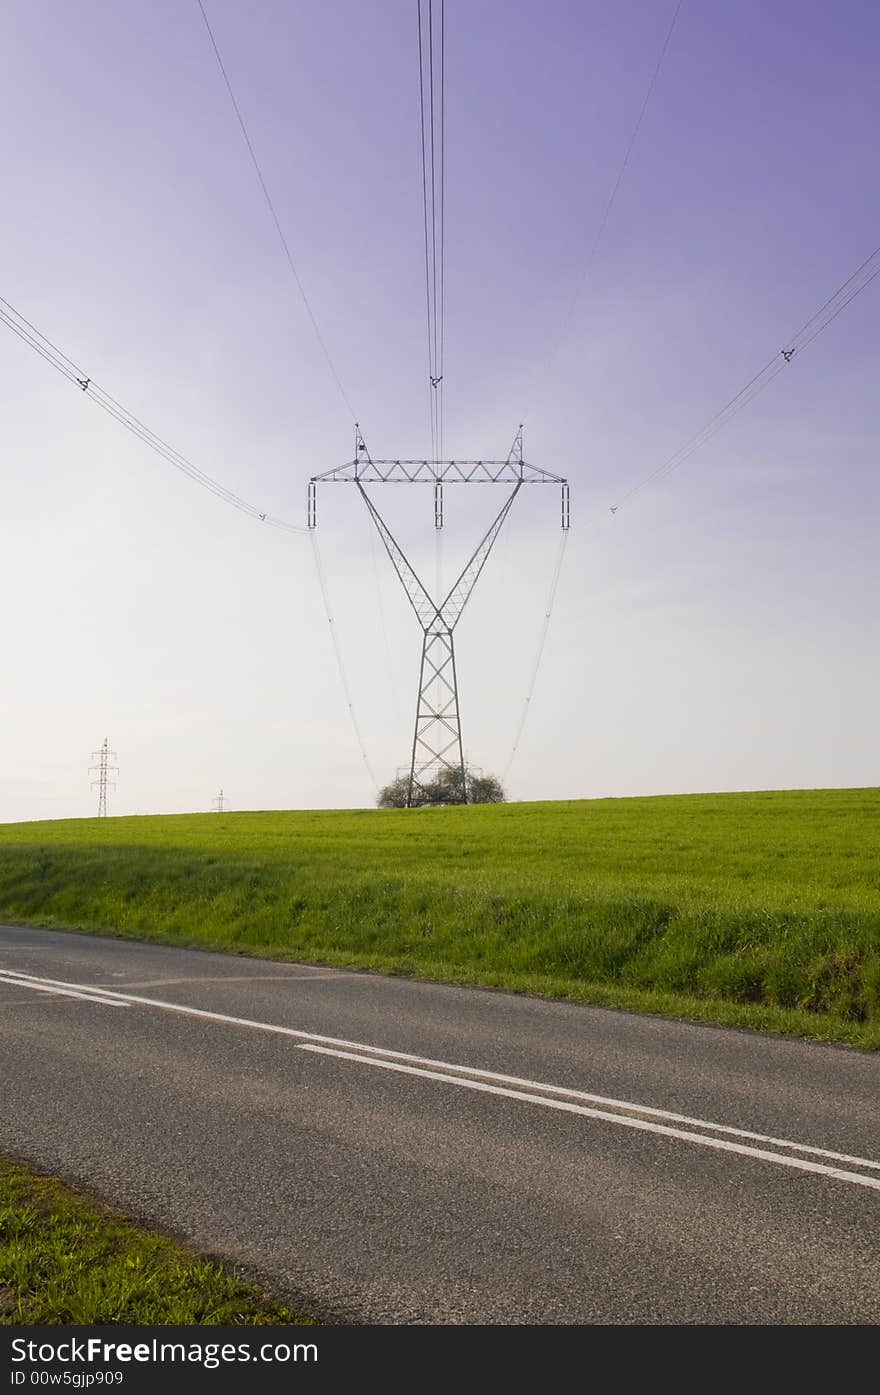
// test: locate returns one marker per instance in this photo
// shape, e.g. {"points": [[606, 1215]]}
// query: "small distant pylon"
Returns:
{"points": [[219, 803], [104, 770]]}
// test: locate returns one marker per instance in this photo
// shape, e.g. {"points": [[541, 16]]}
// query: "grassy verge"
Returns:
{"points": [[759, 910], [66, 1259]]}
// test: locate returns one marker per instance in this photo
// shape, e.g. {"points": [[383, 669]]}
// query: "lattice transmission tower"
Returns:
{"points": [[436, 743], [104, 770], [219, 803]]}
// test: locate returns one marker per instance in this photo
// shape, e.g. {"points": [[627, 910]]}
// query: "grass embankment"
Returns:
{"points": [[752, 909], [66, 1259]]}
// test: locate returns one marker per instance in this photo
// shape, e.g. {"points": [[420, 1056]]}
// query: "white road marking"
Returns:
{"points": [[59, 992], [628, 1122], [492, 1082]]}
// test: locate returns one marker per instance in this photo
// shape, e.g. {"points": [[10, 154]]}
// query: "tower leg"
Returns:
{"points": [[437, 751]]}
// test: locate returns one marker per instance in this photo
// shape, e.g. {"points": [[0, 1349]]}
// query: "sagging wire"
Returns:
{"points": [[574, 300], [380, 605], [545, 628], [842, 297], [275, 219], [432, 117], [28, 333], [36, 340], [337, 648]]}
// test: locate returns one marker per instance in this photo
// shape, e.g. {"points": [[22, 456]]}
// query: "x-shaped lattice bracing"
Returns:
{"points": [[437, 709], [446, 614], [437, 745]]}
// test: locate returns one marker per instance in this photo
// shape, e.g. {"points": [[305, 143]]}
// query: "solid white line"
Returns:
{"points": [[521, 1084], [59, 992], [644, 1125]]}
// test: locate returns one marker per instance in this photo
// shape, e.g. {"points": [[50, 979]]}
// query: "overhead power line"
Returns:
{"points": [[833, 306], [275, 219], [612, 197], [842, 297], [77, 376], [573, 302], [69, 369], [545, 628], [340, 662], [432, 114], [603, 223]]}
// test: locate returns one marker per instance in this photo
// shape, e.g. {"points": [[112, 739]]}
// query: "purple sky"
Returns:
{"points": [[718, 633]]}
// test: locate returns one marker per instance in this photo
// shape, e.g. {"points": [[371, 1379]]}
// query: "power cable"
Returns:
{"points": [[810, 330], [326, 352], [533, 679], [630, 145], [431, 389], [573, 302], [340, 663], [842, 297], [615, 188], [380, 609], [278, 228], [69, 369], [433, 173], [442, 403], [432, 120], [63, 364]]}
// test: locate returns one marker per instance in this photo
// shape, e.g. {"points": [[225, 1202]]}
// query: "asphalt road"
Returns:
{"points": [[403, 1152]]}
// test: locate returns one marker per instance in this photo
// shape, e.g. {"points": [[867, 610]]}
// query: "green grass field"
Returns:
{"points": [[758, 909], [65, 1258]]}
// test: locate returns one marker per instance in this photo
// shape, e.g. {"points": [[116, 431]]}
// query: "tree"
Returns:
{"points": [[485, 789], [449, 786], [393, 796], [446, 787]]}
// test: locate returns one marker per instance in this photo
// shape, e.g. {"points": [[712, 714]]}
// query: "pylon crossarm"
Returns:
{"points": [[424, 607], [438, 472], [460, 593]]}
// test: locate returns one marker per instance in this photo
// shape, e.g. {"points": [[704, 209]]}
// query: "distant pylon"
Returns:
{"points": [[218, 803], [104, 771]]}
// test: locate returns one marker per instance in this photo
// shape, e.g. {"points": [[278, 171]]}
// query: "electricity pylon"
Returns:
{"points": [[104, 771], [218, 803], [437, 744]]}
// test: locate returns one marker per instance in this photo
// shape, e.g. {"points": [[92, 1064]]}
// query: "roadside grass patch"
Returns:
{"points": [[758, 909], [68, 1259]]}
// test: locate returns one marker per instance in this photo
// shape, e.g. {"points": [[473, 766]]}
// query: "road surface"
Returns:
{"points": [[403, 1152]]}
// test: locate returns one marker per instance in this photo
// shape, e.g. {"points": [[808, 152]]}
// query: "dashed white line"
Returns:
{"points": [[88, 997], [627, 1121], [622, 1112]]}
